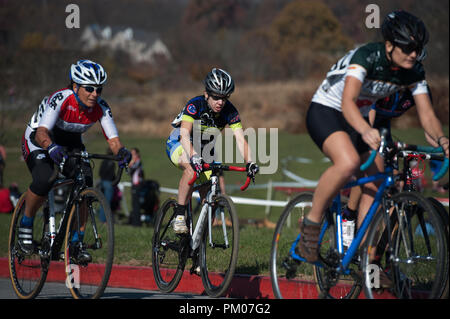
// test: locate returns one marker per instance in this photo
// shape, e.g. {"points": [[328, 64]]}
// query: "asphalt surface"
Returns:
{"points": [[53, 290]]}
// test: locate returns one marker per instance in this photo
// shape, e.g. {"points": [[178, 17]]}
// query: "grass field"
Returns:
{"points": [[133, 244]]}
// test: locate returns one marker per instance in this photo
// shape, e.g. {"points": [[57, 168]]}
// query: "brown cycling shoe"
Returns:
{"points": [[309, 242]]}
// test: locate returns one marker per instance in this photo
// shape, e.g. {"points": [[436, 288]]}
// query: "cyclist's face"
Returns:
{"points": [[401, 59], [88, 98], [216, 103]]}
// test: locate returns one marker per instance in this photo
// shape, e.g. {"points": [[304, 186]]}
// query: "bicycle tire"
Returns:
{"points": [[218, 263], [409, 276], [348, 286], [444, 216], [27, 272], [88, 279], [283, 268], [169, 250]]}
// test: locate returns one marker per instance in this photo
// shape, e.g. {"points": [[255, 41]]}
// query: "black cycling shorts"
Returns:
{"points": [[41, 167], [322, 121]]}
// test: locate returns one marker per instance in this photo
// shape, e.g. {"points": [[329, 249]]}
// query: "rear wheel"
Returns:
{"points": [[169, 250], [28, 271]]}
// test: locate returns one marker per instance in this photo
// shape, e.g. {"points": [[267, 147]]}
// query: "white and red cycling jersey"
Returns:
{"points": [[66, 120]]}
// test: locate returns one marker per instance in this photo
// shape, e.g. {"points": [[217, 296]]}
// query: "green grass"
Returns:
{"points": [[133, 244]]}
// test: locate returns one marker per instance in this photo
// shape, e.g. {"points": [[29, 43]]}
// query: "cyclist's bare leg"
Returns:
{"points": [[32, 203], [354, 198], [369, 190], [339, 148], [184, 189]]}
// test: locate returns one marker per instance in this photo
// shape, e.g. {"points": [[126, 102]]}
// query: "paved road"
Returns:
{"points": [[59, 291]]}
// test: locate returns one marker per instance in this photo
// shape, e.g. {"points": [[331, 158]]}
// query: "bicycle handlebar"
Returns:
{"points": [[383, 134], [408, 147], [430, 150], [87, 155], [207, 166]]}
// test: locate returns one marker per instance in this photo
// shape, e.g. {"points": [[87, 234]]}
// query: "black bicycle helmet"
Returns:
{"points": [[404, 30], [219, 82]]}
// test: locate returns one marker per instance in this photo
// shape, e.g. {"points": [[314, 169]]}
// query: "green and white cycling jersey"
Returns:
{"points": [[379, 78]]}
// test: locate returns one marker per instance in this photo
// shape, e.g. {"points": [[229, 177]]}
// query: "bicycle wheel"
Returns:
{"points": [[444, 216], [345, 286], [287, 270], [415, 265], [218, 261], [28, 271], [169, 250], [89, 245]]}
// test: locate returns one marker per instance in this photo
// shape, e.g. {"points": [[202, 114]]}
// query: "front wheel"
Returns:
{"points": [[89, 245], [406, 255], [219, 254]]}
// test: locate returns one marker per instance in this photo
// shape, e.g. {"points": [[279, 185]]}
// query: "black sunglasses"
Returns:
{"points": [[411, 47], [216, 98], [91, 89]]}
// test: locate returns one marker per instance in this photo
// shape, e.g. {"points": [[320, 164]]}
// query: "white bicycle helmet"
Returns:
{"points": [[88, 72]]}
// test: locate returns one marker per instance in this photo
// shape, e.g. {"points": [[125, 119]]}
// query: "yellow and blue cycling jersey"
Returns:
{"points": [[197, 109]]}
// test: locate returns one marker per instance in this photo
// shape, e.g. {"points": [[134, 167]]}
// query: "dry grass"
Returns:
{"points": [[261, 105], [265, 105]]}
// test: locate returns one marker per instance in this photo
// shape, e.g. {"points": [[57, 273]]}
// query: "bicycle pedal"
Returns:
{"points": [[195, 270]]}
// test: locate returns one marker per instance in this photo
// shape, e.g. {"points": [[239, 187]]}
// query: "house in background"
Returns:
{"points": [[141, 46]]}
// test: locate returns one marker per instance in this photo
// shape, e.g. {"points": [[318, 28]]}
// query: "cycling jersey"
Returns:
{"points": [[394, 105], [197, 109], [66, 121], [379, 78]]}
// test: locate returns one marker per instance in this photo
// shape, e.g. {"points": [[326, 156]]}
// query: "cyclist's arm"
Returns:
{"points": [[429, 120], [352, 114], [42, 137], [242, 144], [185, 138], [372, 115], [115, 145]]}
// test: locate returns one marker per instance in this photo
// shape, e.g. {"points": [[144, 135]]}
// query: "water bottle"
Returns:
{"points": [[348, 226]]}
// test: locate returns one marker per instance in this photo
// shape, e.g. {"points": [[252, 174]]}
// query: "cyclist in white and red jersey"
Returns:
{"points": [[335, 118], [56, 127]]}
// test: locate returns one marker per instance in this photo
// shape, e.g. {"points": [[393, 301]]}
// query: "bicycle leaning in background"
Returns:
{"points": [[399, 251], [83, 224], [212, 245]]}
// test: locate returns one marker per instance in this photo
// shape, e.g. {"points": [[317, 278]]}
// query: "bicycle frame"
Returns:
{"points": [[388, 181], [207, 208], [206, 211]]}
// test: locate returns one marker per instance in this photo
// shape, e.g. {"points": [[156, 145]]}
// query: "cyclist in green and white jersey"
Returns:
{"points": [[335, 118]]}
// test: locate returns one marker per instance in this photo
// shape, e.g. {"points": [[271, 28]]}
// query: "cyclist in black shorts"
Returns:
{"points": [[335, 119], [55, 128]]}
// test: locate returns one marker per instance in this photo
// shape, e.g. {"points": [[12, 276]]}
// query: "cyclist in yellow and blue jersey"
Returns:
{"points": [[188, 150]]}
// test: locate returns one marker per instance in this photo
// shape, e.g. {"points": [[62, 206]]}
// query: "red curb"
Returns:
{"points": [[242, 286]]}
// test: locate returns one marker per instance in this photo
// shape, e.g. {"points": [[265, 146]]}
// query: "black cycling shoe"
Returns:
{"points": [[25, 241], [79, 253]]}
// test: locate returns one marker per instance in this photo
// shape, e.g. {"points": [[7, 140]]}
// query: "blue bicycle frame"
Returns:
{"points": [[388, 180]]}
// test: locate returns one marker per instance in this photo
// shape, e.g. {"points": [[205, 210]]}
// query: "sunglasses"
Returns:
{"points": [[216, 98], [411, 47], [91, 89]]}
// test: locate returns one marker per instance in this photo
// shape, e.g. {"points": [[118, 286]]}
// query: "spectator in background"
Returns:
{"points": [[5, 202], [137, 177], [107, 175], [2, 162]]}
